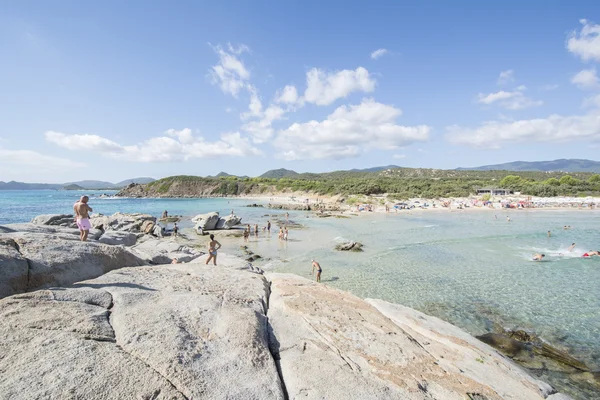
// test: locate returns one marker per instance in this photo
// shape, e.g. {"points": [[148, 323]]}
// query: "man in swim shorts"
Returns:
{"points": [[538, 257], [317, 266], [82, 217]]}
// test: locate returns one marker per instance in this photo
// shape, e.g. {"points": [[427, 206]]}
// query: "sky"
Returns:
{"points": [[114, 90]]}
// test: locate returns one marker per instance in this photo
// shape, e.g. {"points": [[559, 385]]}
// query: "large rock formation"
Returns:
{"points": [[332, 345], [13, 268], [190, 331], [155, 251], [166, 332], [211, 221], [55, 219], [55, 260], [118, 238], [57, 231], [121, 222], [228, 222], [206, 221]]}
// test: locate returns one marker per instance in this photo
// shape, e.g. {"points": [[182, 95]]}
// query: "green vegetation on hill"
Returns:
{"points": [[279, 173], [398, 183]]}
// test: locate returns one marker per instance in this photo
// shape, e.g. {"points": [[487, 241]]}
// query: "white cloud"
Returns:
{"points": [[378, 53], [28, 158], [593, 101], [586, 79], [399, 156], [289, 95], [262, 129], [515, 100], [177, 145], [586, 43], [553, 129], [347, 132], [323, 88], [506, 77], [230, 73]]}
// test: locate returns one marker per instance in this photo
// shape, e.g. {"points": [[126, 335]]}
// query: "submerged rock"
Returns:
{"points": [[533, 353], [349, 246]]}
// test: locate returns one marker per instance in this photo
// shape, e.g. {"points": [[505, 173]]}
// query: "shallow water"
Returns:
{"points": [[463, 266]]}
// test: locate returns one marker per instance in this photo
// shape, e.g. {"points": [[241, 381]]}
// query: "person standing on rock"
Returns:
{"points": [[212, 250], [175, 229], [269, 226], [82, 217], [317, 266]]}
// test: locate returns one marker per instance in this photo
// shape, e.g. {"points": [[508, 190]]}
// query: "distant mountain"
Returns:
{"points": [[220, 174], [72, 187], [375, 169], [141, 181], [279, 173], [562, 165], [12, 185], [92, 184]]}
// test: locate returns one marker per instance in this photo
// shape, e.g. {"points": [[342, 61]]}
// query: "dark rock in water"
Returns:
{"points": [[350, 246], [521, 336], [255, 205], [532, 352], [510, 347], [253, 257]]}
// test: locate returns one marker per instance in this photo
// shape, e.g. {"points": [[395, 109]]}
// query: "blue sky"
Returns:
{"points": [[113, 90]]}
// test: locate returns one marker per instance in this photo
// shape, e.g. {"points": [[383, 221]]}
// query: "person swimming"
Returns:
{"points": [[538, 257], [572, 247], [591, 253]]}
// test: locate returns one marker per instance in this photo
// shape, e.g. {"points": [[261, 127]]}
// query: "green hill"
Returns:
{"points": [[279, 173]]}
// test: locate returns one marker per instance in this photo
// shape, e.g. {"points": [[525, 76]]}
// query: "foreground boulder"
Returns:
{"points": [[13, 268], [56, 261], [163, 332], [332, 345]]}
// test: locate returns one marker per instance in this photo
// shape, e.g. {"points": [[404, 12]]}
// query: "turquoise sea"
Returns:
{"points": [[466, 267]]}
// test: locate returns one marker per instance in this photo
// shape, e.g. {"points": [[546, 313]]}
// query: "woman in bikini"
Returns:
{"points": [[213, 246]]}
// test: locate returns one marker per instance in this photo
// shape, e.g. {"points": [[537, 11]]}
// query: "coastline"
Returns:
{"points": [[375, 347], [378, 211]]}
